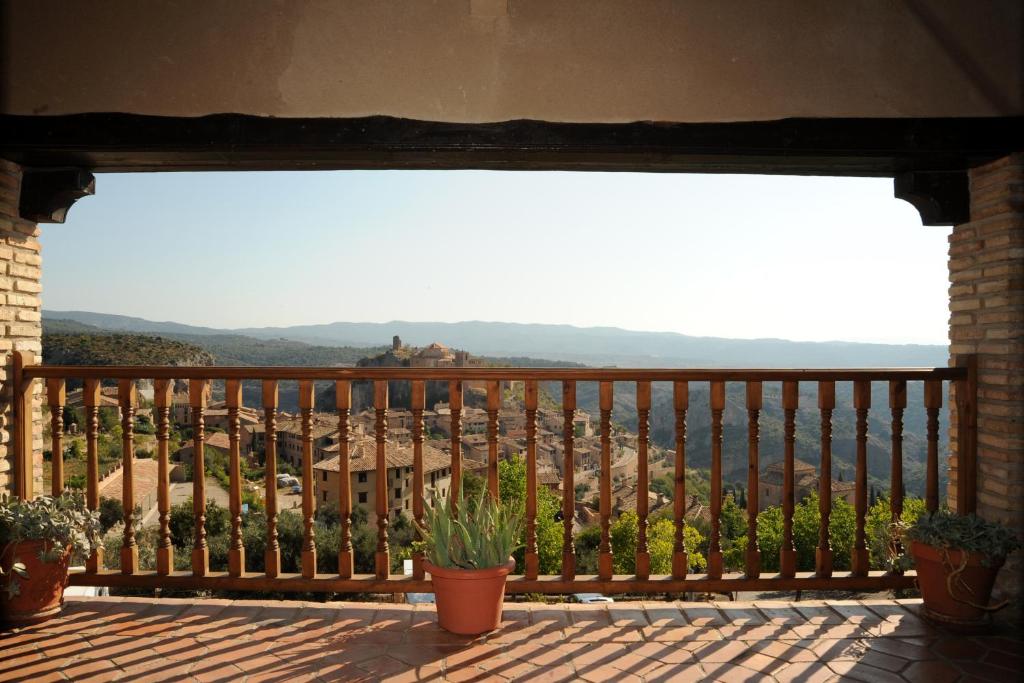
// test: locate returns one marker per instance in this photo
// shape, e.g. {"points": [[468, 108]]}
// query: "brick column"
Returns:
{"points": [[986, 303], [20, 316]]}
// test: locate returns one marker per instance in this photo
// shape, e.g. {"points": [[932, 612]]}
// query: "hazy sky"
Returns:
{"points": [[733, 256]]}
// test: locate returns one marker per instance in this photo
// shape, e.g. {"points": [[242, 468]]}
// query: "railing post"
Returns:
{"points": [[568, 466], [197, 390], [967, 436], [22, 414], [163, 396], [532, 561], [127, 398], [605, 563], [418, 403], [236, 550], [272, 555], [91, 402], [717, 396], [306, 397], [55, 398]]}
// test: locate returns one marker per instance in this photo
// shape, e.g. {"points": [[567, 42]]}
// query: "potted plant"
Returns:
{"points": [[38, 537], [957, 559], [468, 547]]}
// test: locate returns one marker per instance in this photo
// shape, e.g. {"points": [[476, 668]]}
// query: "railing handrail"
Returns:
{"points": [[225, 372], [962, 376]]}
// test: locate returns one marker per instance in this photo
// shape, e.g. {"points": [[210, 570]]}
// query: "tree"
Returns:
{"points": [[111, 512], [512, 491], [664, 486], [805, 533], [581, 491], [660, 544], [880, 532], [473, 485]]}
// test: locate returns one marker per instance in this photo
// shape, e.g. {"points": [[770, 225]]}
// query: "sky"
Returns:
{"points": [[803, 258]]}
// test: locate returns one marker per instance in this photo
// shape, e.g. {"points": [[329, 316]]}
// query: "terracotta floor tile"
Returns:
{"points": [[804, 672], [958, 648], [1013, 662], [935, 671], [661, 614], [702, 616], [681, 633], [858, 671], [899, 647], [720, 652], [669, 673]]}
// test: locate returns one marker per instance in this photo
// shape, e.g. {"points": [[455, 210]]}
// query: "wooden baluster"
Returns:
{"points": [[55, 396], [823, 553], [197, 394], [23, 426], [604, 560], [163, 394], [714, 542], [861, 403], [754, 404], [967, 436], [530, 399], [681, 401], [932, 404], [897, 404], [382, 559], [272, 555], [126, 399], [236, 550], [308, 482], [569, 470], [643, 410], [493, 404], [455, 405], [419, 398], [91, 401], [787, 555], [346, 557]]}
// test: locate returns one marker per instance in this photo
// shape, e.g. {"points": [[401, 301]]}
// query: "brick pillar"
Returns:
{"points": [[20, 315], [986, 303]]}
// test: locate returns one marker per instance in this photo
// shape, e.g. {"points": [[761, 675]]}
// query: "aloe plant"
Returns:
{"points": [[474, 534]]}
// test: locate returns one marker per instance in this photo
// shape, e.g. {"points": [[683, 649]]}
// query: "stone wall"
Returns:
{"points": [[20, 315], [986, 302]]}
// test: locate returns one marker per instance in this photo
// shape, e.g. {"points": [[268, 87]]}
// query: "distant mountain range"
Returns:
{"points": [[590, 345]]}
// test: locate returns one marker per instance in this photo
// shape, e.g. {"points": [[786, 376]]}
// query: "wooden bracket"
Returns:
{"points": [[941, 197], [47, 196]]}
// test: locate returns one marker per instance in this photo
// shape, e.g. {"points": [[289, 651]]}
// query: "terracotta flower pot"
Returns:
{"points": [[469, 600], [957, 598], [42, 593]]}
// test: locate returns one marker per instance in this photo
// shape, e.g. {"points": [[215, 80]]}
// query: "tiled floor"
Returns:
{"points": [[220, 640]]}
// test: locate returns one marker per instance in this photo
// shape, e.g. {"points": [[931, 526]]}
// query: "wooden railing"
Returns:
{"points": [[680, 579]]}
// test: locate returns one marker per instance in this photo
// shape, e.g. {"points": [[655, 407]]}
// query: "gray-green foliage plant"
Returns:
{"points": [[946, 530], [61, 522], [477, 533]]}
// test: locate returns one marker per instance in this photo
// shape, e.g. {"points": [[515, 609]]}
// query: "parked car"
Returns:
{"points": [[591, 598], [296, 489]]}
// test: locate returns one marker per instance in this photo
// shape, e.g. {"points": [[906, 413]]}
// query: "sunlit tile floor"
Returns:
{"points": [[220, 640]]}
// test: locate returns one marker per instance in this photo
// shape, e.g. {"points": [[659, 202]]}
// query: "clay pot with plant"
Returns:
{"points": [[38, 538], [958, 558], [468, 546]]}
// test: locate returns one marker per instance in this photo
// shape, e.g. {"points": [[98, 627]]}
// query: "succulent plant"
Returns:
{"points": [[950, 531], [473, 534], [61, 522]]}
